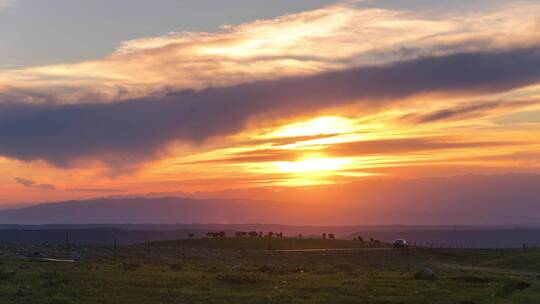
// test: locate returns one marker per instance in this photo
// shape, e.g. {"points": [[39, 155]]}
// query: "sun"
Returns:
{"points": [[310, 170]]}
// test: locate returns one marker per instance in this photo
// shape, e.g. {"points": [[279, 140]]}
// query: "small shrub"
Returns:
{"points": [[239, 278], [512, 285], [53, 280], [323, 270], [425, 274], [344, 267], [473, 279], [278, 270], [6, 274], [177, 266], [130, 266], [266, 269]]}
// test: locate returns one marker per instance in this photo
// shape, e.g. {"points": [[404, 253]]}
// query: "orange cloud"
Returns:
{"points": [[333, 37], [410, 94]]}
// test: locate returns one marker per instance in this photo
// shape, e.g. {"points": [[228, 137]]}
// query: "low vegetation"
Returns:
{"points": [[266, 243], [188, 272]]}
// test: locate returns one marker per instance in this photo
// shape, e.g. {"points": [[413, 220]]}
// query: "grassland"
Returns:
{"points": [[265, 243], [185, 272]]}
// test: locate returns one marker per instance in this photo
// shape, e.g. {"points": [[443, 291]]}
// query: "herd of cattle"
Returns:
{"points": [[254, 234], [260, 234]]}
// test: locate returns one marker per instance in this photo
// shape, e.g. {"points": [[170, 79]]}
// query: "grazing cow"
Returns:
{"points": [[241, 234], [360, 239], [331, 236], [279, 235], [270, 234], [253, 234], [216, 234]]}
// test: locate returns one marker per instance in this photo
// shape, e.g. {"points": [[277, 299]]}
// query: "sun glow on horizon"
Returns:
{"points": [[324, 125], [309, 165], [306, 98]]}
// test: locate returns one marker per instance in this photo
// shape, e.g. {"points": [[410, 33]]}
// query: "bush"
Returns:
{"points": [[266, 269], [425, 274], [239, 278], [6, 274], [512, 285], [474, 279], [130, 266], [177, 266], [344, 267]]}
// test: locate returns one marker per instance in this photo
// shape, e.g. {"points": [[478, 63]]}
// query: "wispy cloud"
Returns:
{"points": [[362, 148], [402, 77], [334, 37], [33, 184], [470, 110], [129, 132], [97, 190]]}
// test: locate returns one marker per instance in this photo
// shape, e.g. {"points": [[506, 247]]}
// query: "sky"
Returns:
{"points": [[101, 98]]}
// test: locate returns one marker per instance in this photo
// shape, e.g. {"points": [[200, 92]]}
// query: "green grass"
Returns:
{"points": [[264, 243], [523, 261], [162, 273]]}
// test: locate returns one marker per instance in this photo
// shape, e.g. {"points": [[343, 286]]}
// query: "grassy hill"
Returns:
{"points": [[264, 243], [187, 272], [524, 261]]}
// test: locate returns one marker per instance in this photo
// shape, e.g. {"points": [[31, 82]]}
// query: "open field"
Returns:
{"points": [[184, 272], [286, 243]]}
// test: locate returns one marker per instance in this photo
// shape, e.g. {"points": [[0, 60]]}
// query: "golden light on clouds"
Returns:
{"points": [[332, 37], [311, 169], [476, 129], [315, 162], [324, 125]]}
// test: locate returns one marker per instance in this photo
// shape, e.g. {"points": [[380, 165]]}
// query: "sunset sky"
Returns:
{"points": [[121, 97]]}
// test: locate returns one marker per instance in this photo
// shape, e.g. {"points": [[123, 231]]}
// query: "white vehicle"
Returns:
{"points": [[400, 244]]}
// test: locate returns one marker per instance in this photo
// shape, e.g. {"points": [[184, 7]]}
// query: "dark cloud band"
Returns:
{"points": [[133, 131]]}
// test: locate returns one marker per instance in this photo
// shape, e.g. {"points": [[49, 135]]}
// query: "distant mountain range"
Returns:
{"points": [[157, 210], [510, 199], [482, 211]]}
